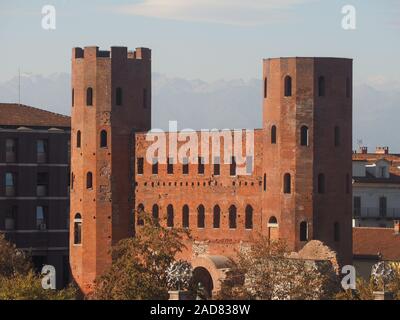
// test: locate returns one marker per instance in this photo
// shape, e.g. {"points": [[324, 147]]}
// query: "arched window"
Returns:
{"points": [[185, 216], [336, 232], [348, 88], [216, 216], [232, 217], [154, 213], [303, 231], [304, 136], [288, 86], [73, 96], [72, 180], [170, 216], [78, 229], [103, 139], [200, 216], [140, 212], [78, 139], [232, 167], [89, 180], [265, 182], [89, 96], [272, 222], [118, 96], [287, 183], [321, 86], [249, 217], [273, 135], [337, 136], [321, 183], [265, 87]]}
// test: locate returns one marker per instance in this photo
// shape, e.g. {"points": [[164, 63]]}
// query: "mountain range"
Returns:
{"points": [[199, 104]]}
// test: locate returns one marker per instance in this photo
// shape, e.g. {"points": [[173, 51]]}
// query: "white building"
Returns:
{"points": [[376, 188]]}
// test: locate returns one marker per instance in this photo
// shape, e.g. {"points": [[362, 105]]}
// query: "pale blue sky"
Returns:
{"points": [[219, 39]]}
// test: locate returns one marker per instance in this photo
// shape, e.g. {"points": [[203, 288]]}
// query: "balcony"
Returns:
{"points": [[376, 212]]}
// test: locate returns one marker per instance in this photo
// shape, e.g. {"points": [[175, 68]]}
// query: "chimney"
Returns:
{"points": [[382, 150], [397, 226], [364, 150]]}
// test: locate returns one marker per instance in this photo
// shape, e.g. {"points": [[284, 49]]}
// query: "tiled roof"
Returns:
{"points": [[394, 163], [13, 114], [374, 241]]}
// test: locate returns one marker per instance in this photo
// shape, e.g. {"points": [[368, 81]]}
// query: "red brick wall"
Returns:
{"points": [[118, 189], [106, 209], [195, 189], [304, 163]]}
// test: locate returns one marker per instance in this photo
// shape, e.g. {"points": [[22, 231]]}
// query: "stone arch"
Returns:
{"points": [[216, 267]]}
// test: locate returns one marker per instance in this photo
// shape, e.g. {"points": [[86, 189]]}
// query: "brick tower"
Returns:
{"points": [[111, 99], [307, 118]]}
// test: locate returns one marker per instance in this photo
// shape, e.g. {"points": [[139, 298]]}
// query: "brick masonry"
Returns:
{"points": [[108, 209]]}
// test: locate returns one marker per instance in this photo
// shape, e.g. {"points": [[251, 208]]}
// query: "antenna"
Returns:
{"points": [[19, 86]]}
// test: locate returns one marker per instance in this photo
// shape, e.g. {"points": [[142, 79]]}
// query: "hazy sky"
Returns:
{"points": [[206, 39]]}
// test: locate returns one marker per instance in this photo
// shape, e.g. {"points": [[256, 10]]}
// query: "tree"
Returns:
{"points": [[29, 287], [12, 260], [265, 271], [139, 263], [18, 281], [365, 289]]}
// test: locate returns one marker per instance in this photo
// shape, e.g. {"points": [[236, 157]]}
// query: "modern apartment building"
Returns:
{"points": [[376, 188], [34, 188]]}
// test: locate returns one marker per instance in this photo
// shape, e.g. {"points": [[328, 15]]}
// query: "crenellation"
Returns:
{"points": [[279, 199]]}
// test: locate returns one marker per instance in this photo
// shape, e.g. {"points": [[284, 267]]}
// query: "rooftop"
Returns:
{"points": [[369, 242], [393, 161], [14, 114]]}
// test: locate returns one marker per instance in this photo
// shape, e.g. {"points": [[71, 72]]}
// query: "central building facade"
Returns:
{"points": [[296, 186]]}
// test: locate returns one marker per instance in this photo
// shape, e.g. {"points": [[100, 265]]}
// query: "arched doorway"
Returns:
{"points": [[210, 271], [201, 277]]}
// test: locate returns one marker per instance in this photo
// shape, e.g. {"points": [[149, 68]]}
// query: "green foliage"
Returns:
{"points": [[365, 289], [28, 287], [139, 263], [18, 281], [12, 260]]}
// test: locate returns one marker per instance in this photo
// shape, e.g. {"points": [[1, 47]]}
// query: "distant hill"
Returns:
{"points": [[199, 104]]}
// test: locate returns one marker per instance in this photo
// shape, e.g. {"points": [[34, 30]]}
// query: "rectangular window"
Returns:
{"points": [[11, 150], [42, 184], [140, 165], [42, 151], [217, 170], [382, 206], [200, 168], [154, 167], [357, 206], [10, 220], [185, 166], [11, 184], [232, 169], [41, 217], [170, 166]]}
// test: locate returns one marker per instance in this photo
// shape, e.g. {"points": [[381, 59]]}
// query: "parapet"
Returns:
{"points": [[94, 52]]}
